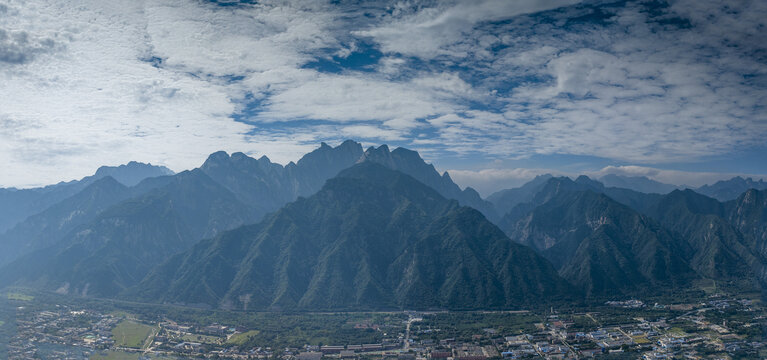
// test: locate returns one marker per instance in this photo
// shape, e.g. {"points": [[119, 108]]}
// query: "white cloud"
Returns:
{"points": [[675, 177], [434, 31], [344, 98], [95, 98], [86, 83], [488, 181], [629, 90]]}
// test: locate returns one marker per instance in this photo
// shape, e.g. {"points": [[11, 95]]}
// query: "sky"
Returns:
{"points": [[493, 91]]}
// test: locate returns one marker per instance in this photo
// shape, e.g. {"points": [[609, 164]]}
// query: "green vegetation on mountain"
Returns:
{"points": [[600, 245], [108, 237], [371, 238], [718, 249], [387, 233], [748, 214]]}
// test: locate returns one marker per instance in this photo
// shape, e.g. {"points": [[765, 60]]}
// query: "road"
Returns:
{"points": [[411, 319]]}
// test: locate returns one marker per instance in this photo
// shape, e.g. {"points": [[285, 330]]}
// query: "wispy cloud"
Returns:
{"points": [[449, 28], [86, 83]]}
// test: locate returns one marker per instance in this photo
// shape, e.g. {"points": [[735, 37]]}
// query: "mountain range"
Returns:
{"points": [[599, 244], [730, 189], [18, 204], [352, 228], [723, 190], [371, 236], [637, 183]]}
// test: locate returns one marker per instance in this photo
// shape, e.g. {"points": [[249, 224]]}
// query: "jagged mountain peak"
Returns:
{"points": [[106, 170], [411, 163], [239, 155], [589, 182], [346, 149], [216, 159], [131, 173], [505, 200], [240, 162], [725, 190], [381, 155]]}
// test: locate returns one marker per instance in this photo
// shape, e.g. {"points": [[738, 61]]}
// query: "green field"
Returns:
{"points": [[464, 325], [122, 314], [641, 340], [241, 339], [677, 331], [131, 334], [2, 322], [707, 285], [204, 339], [20, 297]]}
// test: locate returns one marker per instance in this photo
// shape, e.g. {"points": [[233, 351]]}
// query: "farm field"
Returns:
{"points": [[131, 334]]}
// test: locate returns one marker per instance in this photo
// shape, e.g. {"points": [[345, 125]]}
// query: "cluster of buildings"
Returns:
{"points": [[690, 333], [71, 329]]}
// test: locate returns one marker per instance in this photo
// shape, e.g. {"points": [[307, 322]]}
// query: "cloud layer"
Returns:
{"points": [[86, 83]]}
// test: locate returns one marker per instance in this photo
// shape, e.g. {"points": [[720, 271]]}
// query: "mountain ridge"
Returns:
{"points": [[326, 231]]}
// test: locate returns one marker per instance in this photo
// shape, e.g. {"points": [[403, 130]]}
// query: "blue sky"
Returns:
{"points": [[493, 91]]}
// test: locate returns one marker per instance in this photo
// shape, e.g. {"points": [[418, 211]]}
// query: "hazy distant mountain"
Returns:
{"points": [[552, 186], [18, 204], [371, 238], [118, 247], [409, 162], [132, 173], [46, 228], [730, 189], [637, 183], [598, 244], [505, 200]]}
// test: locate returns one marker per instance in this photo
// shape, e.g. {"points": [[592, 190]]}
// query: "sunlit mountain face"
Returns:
{"points": [[383, 180]]}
